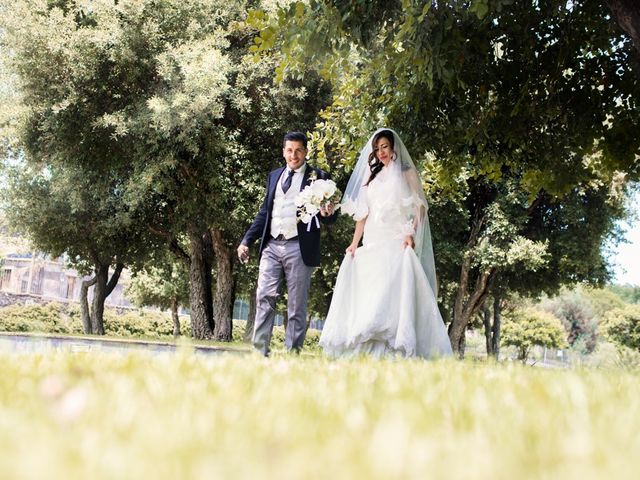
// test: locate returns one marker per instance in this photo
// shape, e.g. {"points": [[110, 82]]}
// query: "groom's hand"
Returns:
{"points": [[243, 253], [327, 210]]}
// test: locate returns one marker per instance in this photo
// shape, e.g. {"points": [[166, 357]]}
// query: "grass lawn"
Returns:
{"points": [[75, 415]]}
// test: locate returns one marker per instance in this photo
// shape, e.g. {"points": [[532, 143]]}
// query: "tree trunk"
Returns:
{"points": [[466, 311], [523, 354], [462, 344], [495, 330], [198, 296], [251, 319], [466, 306], [101, 291], [492, 323], [627, 15], [225, 287], [208, 277], [99, 296], [175, 317], [458, 324], [486, 318], [84, 305]]}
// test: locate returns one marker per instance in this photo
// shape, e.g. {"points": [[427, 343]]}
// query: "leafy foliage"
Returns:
{"points": [[159, 286], [576, 312], [509, 83], [56, 318], [50, 318], [602, 300], [68, 210], [65, 319], [622, 326], [528, 327], [628, 293]]}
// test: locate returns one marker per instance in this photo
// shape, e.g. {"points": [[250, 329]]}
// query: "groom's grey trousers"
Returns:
{"points": [[282, 259]]}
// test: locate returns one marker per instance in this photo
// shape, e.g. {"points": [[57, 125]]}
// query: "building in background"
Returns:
{"points": [[49, 279]]}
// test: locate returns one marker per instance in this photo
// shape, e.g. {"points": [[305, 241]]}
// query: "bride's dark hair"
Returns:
{"points": [[375, 165]]}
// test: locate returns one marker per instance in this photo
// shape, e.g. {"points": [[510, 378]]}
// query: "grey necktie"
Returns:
{"points": [[286, 183]]}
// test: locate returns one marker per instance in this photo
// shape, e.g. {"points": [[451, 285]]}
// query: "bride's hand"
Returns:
{"points": [[408, 242], [352, 249]]}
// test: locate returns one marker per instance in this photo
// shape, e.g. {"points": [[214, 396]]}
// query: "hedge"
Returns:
{"points": [[57, 318]]}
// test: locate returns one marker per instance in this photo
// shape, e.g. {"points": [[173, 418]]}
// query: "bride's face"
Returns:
{"points": [[383, 150]]}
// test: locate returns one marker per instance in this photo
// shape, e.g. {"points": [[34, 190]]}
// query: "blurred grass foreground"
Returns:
{"points": [[75, 415]]}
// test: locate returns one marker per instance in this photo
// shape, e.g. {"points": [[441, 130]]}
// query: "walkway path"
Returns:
{"points": [[38, 343]]}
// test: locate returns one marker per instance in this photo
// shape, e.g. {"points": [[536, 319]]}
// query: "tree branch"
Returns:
{"points": [[627, 15], [172, 242], [479, 294], [114, 279], [478, 222]]}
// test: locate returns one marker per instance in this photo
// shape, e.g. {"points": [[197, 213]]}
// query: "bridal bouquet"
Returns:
{"points": [[318, 193]]}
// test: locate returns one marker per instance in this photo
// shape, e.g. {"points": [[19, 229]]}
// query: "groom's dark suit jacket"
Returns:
{"points": [[261, 226]]}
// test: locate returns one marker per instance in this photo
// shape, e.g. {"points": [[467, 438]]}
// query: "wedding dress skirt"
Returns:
{"points": [[383, 305]]}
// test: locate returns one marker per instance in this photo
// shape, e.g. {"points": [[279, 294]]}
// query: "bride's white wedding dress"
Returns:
{"points": [[383, 303]]}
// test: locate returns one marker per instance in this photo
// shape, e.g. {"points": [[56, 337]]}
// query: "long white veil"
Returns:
{"points": [[410, 196]]}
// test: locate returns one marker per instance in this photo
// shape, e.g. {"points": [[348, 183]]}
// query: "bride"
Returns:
{"points": [[384, 301]]}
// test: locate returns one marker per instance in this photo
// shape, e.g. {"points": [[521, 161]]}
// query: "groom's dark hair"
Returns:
{"points": [[295, 137]]}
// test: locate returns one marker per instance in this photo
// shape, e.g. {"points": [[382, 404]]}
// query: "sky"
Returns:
{"points": [[626, 256]]}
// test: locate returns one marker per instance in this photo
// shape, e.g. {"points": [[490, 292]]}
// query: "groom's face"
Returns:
{"points": [[294, 153]]}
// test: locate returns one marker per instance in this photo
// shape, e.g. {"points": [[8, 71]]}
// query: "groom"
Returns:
{"points": [[288, 248]]}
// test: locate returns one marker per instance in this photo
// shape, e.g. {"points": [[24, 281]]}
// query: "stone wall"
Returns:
{"points": [[7, 299]]}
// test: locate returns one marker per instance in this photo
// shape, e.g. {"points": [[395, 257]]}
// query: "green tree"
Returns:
{"points": [[602, 300], [622, 326], [69, 210], [576, 312], [628, 293], [163, 284], [526, 328]]}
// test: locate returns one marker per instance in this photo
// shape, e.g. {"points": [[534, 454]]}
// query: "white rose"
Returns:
{"points": [[312, 209], [329, 188], [304, 197], [318, 188]]}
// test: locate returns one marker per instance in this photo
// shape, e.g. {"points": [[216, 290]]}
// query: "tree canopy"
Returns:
{"points": [[527, 328], [622, 326]]}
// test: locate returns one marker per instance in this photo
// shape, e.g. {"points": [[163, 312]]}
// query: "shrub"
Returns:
{"points": [[622, 326], [577, 311], [61, 318], [310, 340], [528, 327], [49, 318]]}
